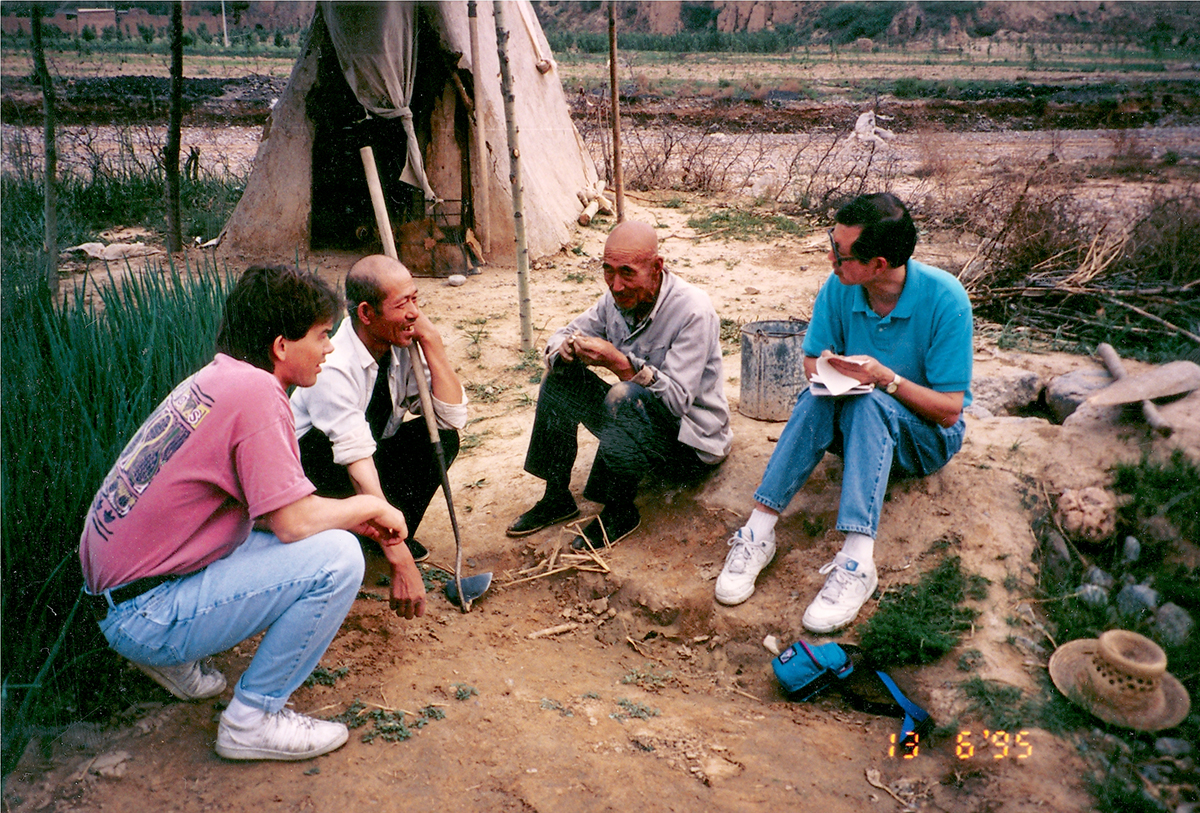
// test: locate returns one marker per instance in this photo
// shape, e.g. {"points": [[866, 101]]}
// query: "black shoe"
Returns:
{"points": [[618, 524], [543, 515], [419, 554]]}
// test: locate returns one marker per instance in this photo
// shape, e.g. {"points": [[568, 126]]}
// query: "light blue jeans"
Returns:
{"points": [[298, 592], [873, 433]]}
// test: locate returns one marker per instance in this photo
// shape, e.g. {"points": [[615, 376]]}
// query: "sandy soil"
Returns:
{"points": [[657, 698]]}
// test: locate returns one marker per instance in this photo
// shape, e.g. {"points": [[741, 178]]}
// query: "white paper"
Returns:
{"points": [[835, 382]]}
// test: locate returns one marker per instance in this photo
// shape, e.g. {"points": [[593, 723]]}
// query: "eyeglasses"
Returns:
{"points": [[838, 259]]}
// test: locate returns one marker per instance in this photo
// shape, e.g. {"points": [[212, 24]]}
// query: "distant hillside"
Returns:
{"points": [[1155, 25]]}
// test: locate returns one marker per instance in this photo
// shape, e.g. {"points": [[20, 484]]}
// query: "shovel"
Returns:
{"points": [[465, 590]]}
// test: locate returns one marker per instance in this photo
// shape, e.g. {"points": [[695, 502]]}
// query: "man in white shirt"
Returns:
{"points": [[358, 428]]}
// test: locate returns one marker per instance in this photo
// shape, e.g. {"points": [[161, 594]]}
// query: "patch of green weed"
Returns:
{"points": [[631, 710], [647, 678], [997, 704], [326, 677], [919, 623], [739, 224], [464, 692], [1155, 487]]}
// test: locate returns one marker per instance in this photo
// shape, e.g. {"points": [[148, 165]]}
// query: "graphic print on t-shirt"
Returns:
{"points": [[163, 433]]}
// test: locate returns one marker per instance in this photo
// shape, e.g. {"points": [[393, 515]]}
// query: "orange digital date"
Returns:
{"points": [[1004, 745]]}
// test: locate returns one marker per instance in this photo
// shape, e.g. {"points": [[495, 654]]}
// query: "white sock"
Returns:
{"points": [[761, 523], [242, 714], [860, 548]]}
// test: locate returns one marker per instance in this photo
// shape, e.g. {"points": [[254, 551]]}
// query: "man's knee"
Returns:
{"points": [[873, 406], [625, 395], [342, 556]]}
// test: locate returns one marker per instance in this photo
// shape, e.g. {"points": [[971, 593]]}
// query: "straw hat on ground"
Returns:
{"points": [[1121, 677]]}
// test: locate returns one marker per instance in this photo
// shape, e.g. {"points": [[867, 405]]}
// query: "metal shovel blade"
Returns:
{"points": [[472, 586]]}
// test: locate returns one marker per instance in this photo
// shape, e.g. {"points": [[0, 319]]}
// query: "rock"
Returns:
{"points": [[1136, 599], [1057, 563], [1089, 514], [978, 412], [1092, 595], [599, 606], [1029, 646], [1098, 577], [1171, 747], [1065, 393], [1173, 624], [1132, 550], [1006, 391], [455, 280]]}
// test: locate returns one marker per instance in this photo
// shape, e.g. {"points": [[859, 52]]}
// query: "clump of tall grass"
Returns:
{"points": [[126, 188], [80, 375]]}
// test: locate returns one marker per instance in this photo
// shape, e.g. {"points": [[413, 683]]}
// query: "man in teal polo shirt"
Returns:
{"points": [[904, 329]]}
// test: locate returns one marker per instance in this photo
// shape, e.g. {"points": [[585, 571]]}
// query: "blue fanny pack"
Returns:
{"points": [[805, 671]]}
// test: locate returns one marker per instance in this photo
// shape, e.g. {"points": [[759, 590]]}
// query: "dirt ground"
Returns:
{"points": [[656, 698]]}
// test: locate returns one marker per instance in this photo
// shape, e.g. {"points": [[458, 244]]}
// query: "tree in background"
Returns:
{"points": [[174, 128], [50, 210]]}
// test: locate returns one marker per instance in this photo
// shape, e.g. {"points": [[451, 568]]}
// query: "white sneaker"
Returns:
{"points": [[283, 735], [847, 587], [746, 558], [188, 681]]}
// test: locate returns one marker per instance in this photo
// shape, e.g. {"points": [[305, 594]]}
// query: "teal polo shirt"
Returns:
{"points": [[926, 338]]}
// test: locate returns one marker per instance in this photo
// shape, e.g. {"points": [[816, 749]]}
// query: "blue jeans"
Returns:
{"points": [[298, 592], [872, 433]]}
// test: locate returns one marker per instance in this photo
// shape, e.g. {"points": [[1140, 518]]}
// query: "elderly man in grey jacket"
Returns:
{"points": [[660, 337]]}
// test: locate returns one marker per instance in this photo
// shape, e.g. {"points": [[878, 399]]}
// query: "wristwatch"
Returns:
{"points": [[893, 385]]}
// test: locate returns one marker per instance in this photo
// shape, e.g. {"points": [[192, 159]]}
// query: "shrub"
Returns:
{"points": [[919, 623], [79, 378]]}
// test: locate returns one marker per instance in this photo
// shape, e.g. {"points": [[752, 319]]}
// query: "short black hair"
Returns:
{"points": [[888, 228], [363, 288], [272, 301]]}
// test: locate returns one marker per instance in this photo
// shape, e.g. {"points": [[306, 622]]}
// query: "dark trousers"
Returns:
{"points": [[637, 433], [406, 462]]}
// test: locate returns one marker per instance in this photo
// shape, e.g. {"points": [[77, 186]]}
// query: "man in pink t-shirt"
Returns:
{"points": [[206, 531]]}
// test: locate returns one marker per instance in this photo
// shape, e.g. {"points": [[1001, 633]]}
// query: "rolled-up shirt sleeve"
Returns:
{"points": [[338, 409]]}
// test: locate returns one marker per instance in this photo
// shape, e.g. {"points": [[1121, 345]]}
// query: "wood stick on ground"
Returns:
{"points": [[1153, 318], [641, 651], [552, 572], [556, 630]]}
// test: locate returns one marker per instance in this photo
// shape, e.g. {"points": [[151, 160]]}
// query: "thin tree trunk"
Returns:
{"points": [[482, 199], [50, 197], [615, 91], [518, 193], [174, 127]]}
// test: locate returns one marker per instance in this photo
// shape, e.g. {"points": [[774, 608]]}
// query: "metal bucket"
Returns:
{"points": [[772, 369]]}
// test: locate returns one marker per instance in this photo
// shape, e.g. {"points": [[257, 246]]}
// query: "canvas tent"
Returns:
{"points": [[399, 76]]}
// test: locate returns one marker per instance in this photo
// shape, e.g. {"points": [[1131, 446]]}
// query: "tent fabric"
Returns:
{"points": [[377, 50], [273, 217]]}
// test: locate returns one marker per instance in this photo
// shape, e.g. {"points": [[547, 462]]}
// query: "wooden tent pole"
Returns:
{"points": [[483, 178], [514, 162], [615, 92]]}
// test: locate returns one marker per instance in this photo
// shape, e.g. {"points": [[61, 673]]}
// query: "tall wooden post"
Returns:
{"points": [[514, 163], [618, 174], [50, 145], [174, 127], [483, 178]]}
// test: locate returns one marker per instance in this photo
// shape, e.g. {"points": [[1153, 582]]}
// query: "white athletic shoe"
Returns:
{"points": [[847, 587], [188, 681], [284, 735], [746, 558]]}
